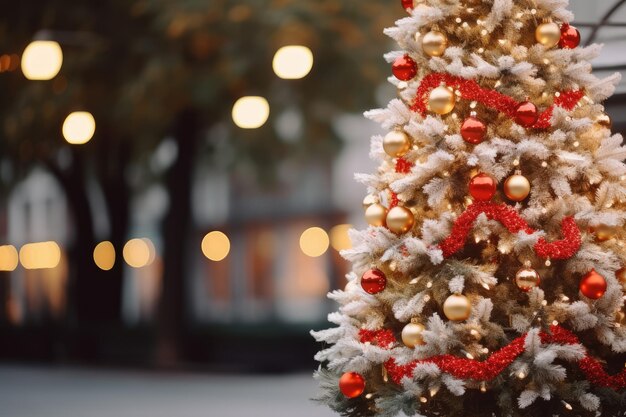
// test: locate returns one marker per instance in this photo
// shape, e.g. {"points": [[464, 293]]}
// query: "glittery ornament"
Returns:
{"points": [[473, 130], [376, 214], [412, 334], [526, 114], [482, 187], [593, 285], [526, 279], [457, 307], [400, 220], [434, 43], [351, 384], [548, 34], [396, 143], [570, 37], [404, 68], [472, 91], [373, 281], [514, 223], [441, 100], [517, 187], [621, 277]]}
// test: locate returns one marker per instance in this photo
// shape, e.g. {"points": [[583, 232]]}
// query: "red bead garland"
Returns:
{"points": [[471, 90], [403, 166], [383, 338], [404, 68], [496, 363], [514, 223]]}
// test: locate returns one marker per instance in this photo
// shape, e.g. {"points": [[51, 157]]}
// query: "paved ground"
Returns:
{"points": [[27, 391]]}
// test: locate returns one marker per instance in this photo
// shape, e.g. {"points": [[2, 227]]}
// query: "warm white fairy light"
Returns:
{"points": [[429, 284], [521, 375], [423, 400]]}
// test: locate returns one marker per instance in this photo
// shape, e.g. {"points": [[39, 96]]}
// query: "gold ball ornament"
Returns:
{"points": [[396, 143], [441, 100], [375, 215], [400, 220], [526, 279], [412, 335], [517, 187], [604, 233], [457, 307], [548, 34], [434, 43], [370, 199]]}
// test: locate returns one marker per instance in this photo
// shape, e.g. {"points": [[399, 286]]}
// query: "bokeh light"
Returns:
{"points": [[79, 127], [40, 255], [251, 112], [104, 255], [216, 246], [42, 60], [8, 258], [138, 253], [293, 62], [339, 238], [314, 242]]}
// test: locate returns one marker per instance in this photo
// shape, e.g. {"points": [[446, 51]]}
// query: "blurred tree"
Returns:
{"points": [[155, 69]]}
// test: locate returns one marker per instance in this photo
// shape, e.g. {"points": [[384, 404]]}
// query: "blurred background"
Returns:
{"points": [[176, 180]]}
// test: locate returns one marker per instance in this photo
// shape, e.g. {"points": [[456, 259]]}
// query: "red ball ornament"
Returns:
{"points": [[593, 285], [374, 281], [473, 130], [408, 5], [351, 384], [404, 68], [482, 187], [570, 37], [526, 114]]}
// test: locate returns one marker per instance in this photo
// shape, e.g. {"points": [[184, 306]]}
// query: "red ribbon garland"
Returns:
{"points": [[490, 368], [471, 90], [514, 223]]}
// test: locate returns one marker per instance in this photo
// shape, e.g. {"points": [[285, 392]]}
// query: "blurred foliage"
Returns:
{"points": [[136, 64]]}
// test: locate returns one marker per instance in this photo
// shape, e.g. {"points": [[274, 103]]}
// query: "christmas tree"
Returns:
{"points": [[491, 280]]}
